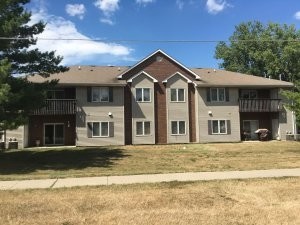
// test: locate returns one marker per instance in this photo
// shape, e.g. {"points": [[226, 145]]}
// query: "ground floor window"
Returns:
{"points": [[219, 127], [178, 128], [54, 134], [143, 128], [100, 129]]}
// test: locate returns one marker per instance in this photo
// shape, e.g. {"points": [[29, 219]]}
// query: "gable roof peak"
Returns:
{"points": [[197, 77]]}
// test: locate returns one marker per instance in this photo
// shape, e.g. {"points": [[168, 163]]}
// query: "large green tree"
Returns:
{"points": [[18, 96], [271, 50]]}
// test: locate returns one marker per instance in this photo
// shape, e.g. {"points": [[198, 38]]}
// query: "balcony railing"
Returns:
{"points": [[57, 107], [260, 105]]}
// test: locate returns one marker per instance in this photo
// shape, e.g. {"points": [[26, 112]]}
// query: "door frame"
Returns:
{"points": [[54, 124], [250, 127]]}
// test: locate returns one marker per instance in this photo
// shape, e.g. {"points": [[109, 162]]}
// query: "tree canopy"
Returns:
{"points": [[271, 50], [18, 96]]}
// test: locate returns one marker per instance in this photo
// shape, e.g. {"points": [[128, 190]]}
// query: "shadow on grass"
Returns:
{"points": [[27, 161]]}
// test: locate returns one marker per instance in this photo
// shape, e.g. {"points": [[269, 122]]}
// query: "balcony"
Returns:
{"points": [[57, 107], [260, 105]]}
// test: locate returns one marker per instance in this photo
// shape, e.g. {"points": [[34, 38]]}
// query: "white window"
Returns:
{"points": [[178, 128], [249, 94], [219, 127], [177, 95], [143, 95], [217, 94], [100, 94], [142, 128], [100, 129]]}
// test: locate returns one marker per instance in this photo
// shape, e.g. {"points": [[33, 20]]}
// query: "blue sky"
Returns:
{"points": [[107, 25]]}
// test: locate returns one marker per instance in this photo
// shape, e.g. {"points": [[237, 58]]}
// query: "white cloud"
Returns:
{"points": [[108, 7], [144, 2], [74, 51], [216, 6], [297, 15], [107, 21], [76, 10], [180, 4]]}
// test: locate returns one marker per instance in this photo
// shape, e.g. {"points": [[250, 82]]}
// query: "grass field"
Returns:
{"points": [[257, 201], [121, 160]]}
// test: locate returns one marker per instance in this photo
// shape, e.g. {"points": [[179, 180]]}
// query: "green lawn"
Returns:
{"points": [[121, 160]]}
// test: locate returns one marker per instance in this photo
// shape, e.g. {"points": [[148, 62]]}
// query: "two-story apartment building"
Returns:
{"points": [[156, 101]]}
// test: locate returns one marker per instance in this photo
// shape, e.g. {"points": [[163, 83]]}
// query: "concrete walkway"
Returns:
{"points": [[146, 178]]}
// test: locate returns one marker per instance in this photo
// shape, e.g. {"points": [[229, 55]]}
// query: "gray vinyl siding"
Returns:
{"points": [[143, 111], [227, 110], [98, 112], [286, 120], [177, 111]]}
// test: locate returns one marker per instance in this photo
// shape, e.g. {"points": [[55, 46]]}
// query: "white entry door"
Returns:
{"points": [[249, 127]]}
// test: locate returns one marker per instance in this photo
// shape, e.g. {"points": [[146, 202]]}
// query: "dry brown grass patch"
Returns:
{"points": [[259, 201]]}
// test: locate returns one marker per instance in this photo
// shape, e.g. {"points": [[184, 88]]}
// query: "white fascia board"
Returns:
{"points": [[143, 72], [177, 73]]}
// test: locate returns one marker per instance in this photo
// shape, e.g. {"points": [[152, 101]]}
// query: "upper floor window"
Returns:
{"points": [[143, 95], [248, 94], [177, 95], [100, 94], [143, 128], [217, 94], [178, 128], [56, 94]]}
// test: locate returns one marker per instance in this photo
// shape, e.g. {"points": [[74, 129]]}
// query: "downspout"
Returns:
{"points": [[294, 124]]}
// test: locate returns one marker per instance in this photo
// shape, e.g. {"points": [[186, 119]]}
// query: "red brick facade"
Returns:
{"points": [[192, 113], [160, 113], [159, 67], [36, 128], [127, 114]]}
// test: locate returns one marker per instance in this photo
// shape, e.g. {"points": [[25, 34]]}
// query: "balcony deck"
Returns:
{"points": [[57, 107], [260, 105]]}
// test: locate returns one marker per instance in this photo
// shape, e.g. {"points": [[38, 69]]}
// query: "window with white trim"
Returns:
{"points": [[249, 94], [100, 129], [143, 128], [217, 94], [100, 94], [178, 128], [219, 126], [143, 94], [177, 95]]}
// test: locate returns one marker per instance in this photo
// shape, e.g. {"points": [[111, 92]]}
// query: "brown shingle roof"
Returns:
{"points": [[108, 75], [86, 75], [211, 77]]}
